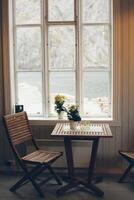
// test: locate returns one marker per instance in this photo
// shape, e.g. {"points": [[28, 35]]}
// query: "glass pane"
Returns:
{"points": [[30, 92], [28, 11], [62, 83], [28, 52], [95, 11], [61, 47], [96, 46], [96, 94], [60, 10]]}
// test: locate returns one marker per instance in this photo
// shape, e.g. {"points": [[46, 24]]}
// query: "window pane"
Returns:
{"points": [[62, 83], [96, 45], [96, 94], [28, 48], [30, 92], [60, 10], [28, 11], [95, 11], [61, 47]]}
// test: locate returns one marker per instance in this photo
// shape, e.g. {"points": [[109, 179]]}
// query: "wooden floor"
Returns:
{"points": [[112, 189]]}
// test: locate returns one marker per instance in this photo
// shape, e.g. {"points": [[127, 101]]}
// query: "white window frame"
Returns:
{"points": [[15, 71], [109, 71], [9, 92], [59, 23]]}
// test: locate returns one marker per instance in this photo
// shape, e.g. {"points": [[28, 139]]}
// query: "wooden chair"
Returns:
{"points": [[19, 131], [129, 157]]}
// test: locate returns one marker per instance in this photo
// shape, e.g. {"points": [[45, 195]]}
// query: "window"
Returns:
{"points": [[63, 47]]}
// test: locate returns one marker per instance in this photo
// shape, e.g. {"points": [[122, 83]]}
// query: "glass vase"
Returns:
{"points": [[61, 115], [73, 125]]}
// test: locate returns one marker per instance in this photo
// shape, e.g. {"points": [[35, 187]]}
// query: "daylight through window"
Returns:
{"points": [[63, 47]]}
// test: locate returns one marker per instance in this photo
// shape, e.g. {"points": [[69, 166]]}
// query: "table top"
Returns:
{"points": [[83, 129]]}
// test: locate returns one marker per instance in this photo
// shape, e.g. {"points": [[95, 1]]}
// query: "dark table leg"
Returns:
{"points": [[73, 182], [90, 184], [93, 159], [69, 157]]}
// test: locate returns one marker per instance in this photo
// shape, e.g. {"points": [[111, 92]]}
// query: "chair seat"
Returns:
{"points": [[18, 130], [41, 156], [129, 154]]}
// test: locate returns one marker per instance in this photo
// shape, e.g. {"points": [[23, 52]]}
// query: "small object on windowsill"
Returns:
{"points": [[60, 109], [61, 115], [19, 108]]}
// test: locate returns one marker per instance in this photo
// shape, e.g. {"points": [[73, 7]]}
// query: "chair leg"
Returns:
{"points": [[54, 175], [23, 181], [125, 173], [29, 176], [29, 179], [18, 184], [36, 186]]}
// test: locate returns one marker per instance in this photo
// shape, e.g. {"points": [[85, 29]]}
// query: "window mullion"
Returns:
{"points": [[43, 58], [55, 23], [78, 55], [14, 48], [46, 70]]}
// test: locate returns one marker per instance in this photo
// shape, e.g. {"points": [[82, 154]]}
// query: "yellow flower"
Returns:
{"points": [[73, 107], [59, 98]]}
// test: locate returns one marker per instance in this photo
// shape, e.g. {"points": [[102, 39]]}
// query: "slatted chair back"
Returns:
{"points": [[19, 131], [18, 128]]}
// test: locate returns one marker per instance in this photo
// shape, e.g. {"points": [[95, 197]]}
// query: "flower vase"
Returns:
{"points": [[73, 124], [61, 115]]}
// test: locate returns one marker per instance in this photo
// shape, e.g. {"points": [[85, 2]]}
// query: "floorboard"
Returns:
{"points": [[113, 190]]}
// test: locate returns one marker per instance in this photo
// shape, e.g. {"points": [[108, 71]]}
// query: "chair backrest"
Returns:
{"points": [[18, 128]]}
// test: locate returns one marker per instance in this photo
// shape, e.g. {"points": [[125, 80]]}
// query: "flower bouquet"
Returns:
{"points": [[59, 102], [73, 116]]}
